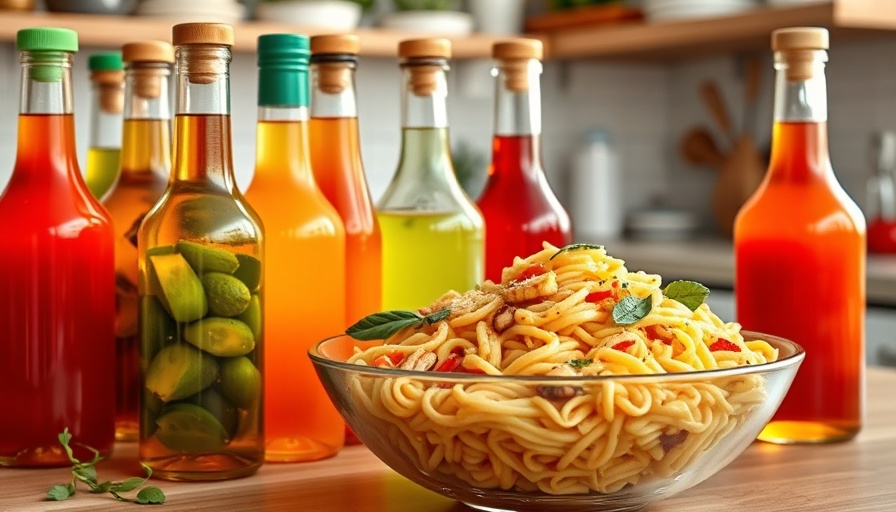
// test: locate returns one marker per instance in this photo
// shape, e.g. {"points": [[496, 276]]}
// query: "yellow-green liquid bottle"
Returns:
{"points": [[104, 151], [433, 235]]}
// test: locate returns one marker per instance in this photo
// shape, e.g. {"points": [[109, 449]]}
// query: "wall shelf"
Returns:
{"points": [[749, 31], [112, 31], [628, 40]]}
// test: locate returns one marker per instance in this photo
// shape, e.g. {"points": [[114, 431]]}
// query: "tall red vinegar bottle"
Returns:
{"points": [[520, 209], [57, 280]]}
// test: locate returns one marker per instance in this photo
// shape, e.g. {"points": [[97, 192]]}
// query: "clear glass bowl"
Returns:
{"points": [[511, 443]]}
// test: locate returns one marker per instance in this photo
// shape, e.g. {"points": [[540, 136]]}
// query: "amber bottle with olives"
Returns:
{"points": [[200, 286]]}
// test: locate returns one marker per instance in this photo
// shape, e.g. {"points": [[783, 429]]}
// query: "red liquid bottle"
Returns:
{"points": [[799, 245], [57, 285], [520, 209]]}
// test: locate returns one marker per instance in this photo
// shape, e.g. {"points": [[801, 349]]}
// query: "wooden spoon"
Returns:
{"points": [[715, 104], [739, 177], [698, 147]]}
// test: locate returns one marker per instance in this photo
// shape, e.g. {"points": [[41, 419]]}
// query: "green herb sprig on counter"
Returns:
{"points": [[575, 247], [689, 293], [380, 326], [86, 472]]}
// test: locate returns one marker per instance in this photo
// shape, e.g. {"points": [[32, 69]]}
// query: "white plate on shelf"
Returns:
{"points": [[453, 23], [661, 10], [331, 14], [221, 11]]}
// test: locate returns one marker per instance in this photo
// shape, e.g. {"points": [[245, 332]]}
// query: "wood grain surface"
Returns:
{"points": [[858, 475]]}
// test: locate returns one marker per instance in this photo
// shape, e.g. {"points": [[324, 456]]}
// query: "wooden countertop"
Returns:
{"points": [[854, 476]]}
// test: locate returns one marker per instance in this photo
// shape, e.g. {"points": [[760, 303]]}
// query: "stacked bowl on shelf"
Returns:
{"points": [[660, 10], [221, 11]]}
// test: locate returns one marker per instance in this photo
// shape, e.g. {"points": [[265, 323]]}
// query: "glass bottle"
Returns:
{"points": [[519, 207], [432, 233], [145, 166], [57, 284], [881, 208], [201, 286], [306, 256], [799, 247], [104, 150], [337, 166]]}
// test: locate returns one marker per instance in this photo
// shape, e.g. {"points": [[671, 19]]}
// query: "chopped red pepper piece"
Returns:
{"points": [[622, 346], [534, 270], [394, 359], [653, 332], [450, 364], [723, 345], [595, 297]]}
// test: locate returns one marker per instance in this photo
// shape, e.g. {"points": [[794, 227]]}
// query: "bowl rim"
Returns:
{"points": [[794, 358]]}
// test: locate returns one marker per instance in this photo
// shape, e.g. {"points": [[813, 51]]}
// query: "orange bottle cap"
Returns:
{"points": [[148, 51], [518, 49], [438, 48], [800, 38], [335, 43], [202, 33]]}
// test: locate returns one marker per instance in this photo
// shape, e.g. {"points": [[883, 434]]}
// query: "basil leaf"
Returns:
{"points": [[580, 363], [60, 492], [86, 474], [575, 247], [689, 293], [631, 309], [150, 494], [379, 326]]}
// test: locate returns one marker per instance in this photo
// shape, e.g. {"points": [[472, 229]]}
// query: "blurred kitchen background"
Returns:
{"points": [[641, 103]]}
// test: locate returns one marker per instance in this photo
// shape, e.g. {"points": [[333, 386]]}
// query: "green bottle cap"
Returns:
{"points": [[46, 39], [107, 61], [283, 70]]}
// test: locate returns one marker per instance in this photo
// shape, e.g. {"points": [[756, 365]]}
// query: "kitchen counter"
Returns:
{"points": [[854, 476], [711, 262]]}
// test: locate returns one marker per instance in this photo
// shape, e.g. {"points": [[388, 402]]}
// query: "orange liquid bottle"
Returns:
{"points": [[520, 210], [201, 286], [337, 166], [57, 285], [145, 166], [800, 255], [306, 259]]}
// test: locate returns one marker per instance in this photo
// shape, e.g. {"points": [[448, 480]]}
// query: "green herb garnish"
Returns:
{"points": [[580, 363], [689, 293], [86, 472], [575, 247], [380, 326], [631, 309]]}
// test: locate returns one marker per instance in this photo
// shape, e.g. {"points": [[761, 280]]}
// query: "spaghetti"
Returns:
{"points": [[563, 314]]}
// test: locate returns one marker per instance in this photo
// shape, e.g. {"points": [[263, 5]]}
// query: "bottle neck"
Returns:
{"points": [[281, 149], [518, 97], [424, 93], [333, 86], [202, 149], [800, 87], [146, 91], [46, 83], [799, 137]]}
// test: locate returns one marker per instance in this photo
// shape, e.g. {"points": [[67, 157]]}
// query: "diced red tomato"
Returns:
{"points": [[595, 297], [723, 345], [450, 364], [622, 346], [533, 270], [391, 360]]}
